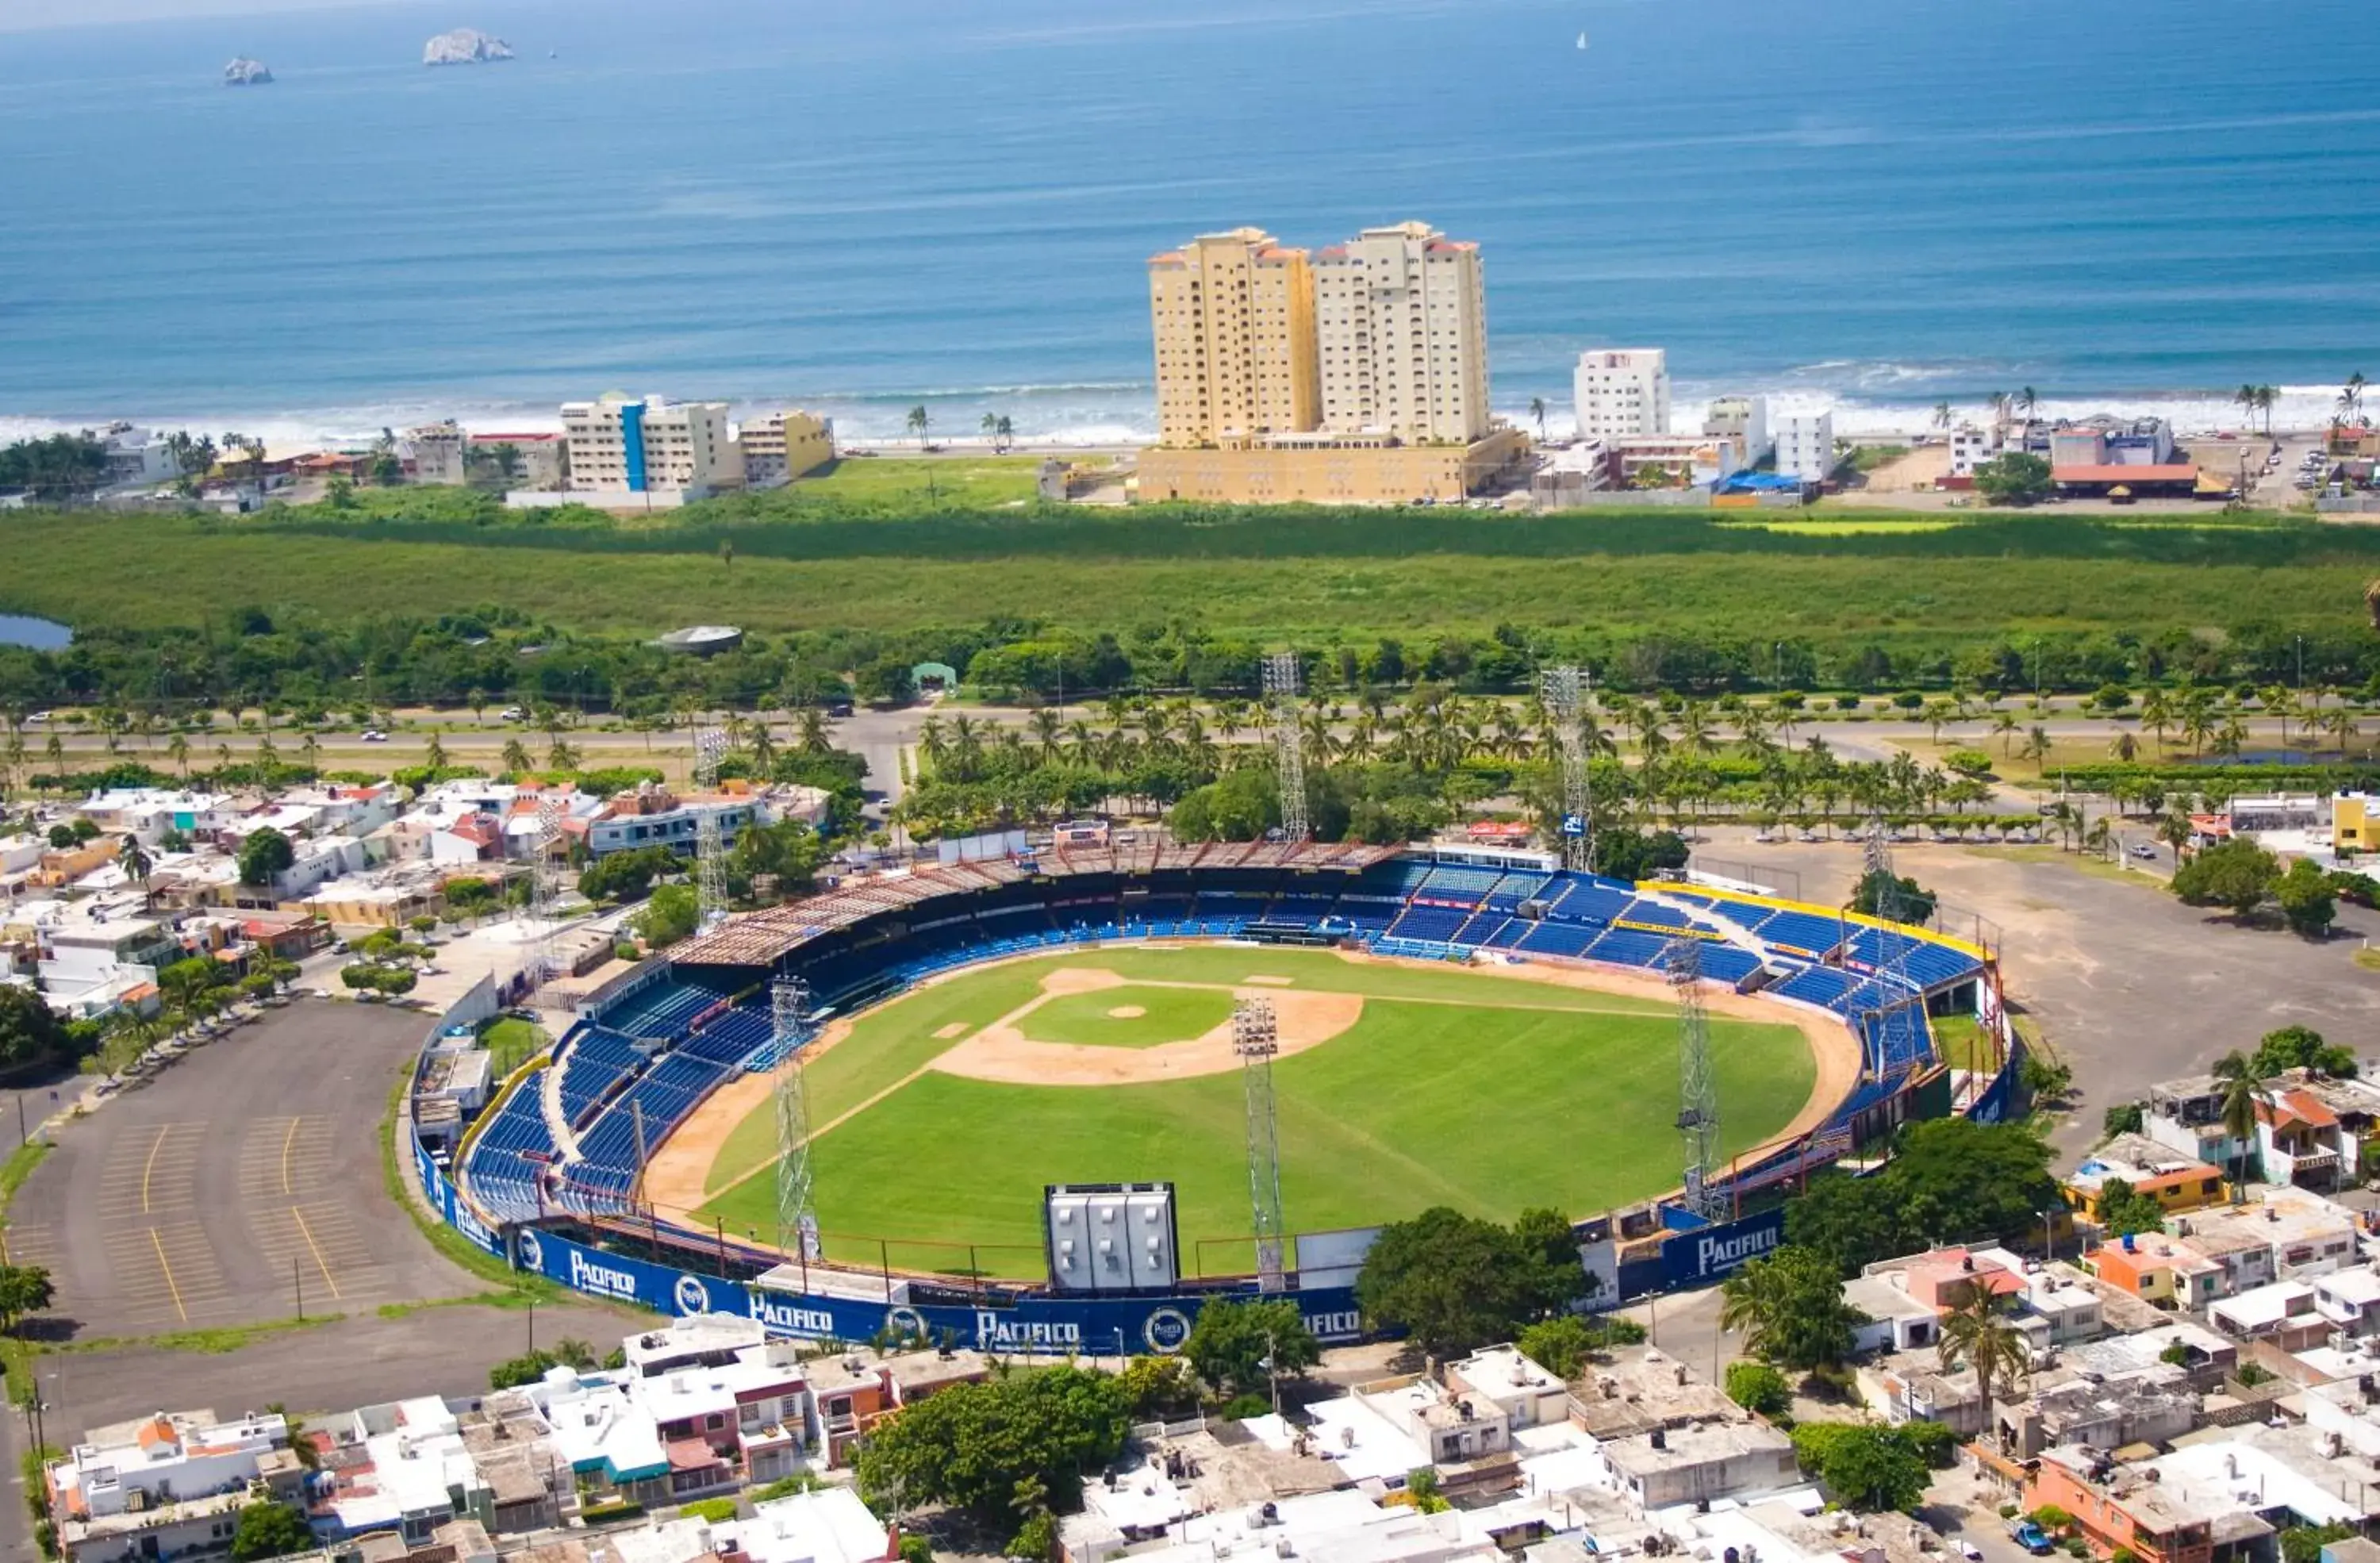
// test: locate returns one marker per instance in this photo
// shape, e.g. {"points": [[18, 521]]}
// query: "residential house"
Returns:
{"points": [[2151, 1169], [167, 1485]]}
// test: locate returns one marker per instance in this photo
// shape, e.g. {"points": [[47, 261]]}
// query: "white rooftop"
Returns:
{"points": [[1363, 1443]]}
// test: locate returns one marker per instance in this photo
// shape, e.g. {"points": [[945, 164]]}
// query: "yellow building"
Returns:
{"points": [[2354, 823], [1401, 318], [781, 446], [1328, 470], [1234, 319]]}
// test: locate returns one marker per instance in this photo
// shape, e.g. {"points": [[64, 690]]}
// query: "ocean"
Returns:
{"points": [[859, 205]]}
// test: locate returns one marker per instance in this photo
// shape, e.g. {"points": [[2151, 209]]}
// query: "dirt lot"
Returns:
{"points": [[2129, 985]]}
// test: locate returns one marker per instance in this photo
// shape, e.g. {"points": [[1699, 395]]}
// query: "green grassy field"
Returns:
{"points": [[1168, 1014], [1454, 1087], [824, 557]]}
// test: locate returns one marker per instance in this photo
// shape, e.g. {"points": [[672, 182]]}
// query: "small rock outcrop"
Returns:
{"points": [[464, 46], [245, 72]]}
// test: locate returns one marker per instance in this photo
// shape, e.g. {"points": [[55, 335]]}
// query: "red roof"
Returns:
{"points": [[2300, 1106], [2115, 472]]}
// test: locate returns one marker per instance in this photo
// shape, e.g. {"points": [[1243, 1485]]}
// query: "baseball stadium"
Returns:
{"points": [[1470, 1027]]}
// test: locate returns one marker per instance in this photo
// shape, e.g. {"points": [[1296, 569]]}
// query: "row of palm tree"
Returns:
{"points": [[2254, 399]]}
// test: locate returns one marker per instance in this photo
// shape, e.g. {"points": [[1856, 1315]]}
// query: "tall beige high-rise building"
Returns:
{"points": [[1233, 314], [1401, 315]]}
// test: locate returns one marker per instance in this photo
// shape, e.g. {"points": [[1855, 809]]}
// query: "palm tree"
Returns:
{"points": [[2351, 396], [561, 756], [1977, 1334], [1941, 415], [2037, 744], [2246, 397], [2028, 401], [133, 858], [2241, 1095], [1003, 433], [179, 750], [809, 731], [1752, 1303], [2175, 830], [2004, 726], [918, 421], [991, 427], [1538, 411], [2124, 747], [515, 756], [2266, 396], [434, 756], [1048, 728], [764, 749]]}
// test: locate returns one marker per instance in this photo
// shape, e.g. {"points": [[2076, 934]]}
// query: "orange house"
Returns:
{"points": [[2156, 1268], [2158, 1524]]}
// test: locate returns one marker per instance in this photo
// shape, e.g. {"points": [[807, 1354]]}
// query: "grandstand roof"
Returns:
{"points": [[760, 939]]}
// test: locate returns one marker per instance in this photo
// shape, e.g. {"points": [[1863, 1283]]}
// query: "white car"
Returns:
{"points": [[375, 735], [510, 713], [36, 716], [2143, 851]]}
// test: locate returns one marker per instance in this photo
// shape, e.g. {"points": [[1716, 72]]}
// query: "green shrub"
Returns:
{"points": [[714, 1510], [1756, 1387]]}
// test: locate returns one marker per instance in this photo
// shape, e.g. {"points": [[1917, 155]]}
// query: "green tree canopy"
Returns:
{"points": [[628, 876], [2308, 899], [2301, 1046], [269, 1530], [1909, 901], [262, 854], [24, 1289], [2017, 478], [1870, 1468], [30, 1033], [1951, 1179], [2125, 1211], [1791, 1310], [672, 914], [1757, 1387], [1232, 1341], [1456, 1283], [972, 1445], [2238, 875]]}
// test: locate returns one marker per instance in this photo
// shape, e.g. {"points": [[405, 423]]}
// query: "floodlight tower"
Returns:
{"points": [[789, 1001], [710, 864], [1255, 1038], [1895, 990], [1697, 1090], [544, 890], [1565, 691], [1280, 685]]}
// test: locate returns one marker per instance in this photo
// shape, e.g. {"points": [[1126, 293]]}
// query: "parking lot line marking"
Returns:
{"points": [[148, 1170], [171, 1285], [287, 1141], [323, 1265]]}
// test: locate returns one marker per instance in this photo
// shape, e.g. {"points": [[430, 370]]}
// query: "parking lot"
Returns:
{"points": [[242, 1183]]}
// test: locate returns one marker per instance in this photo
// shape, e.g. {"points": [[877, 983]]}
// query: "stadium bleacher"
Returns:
{"points": [[1800, 930], [595, 1058], [511, 1152]]}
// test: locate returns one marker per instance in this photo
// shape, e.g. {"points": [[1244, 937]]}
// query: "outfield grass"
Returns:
{"points": [[1322, 575], [513, 1042], [1169, 1014], [1484, 1093]]}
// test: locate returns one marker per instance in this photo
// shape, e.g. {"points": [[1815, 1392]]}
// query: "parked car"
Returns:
{"points": [[375, 735], [511, 713], [2029, 1537]]}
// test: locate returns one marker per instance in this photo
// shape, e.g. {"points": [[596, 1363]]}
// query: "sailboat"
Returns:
{"points": [[1582, 41]]}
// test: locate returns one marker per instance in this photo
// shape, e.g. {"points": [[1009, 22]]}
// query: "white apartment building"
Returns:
{"points": [[166, 1486], [672, 451], [1401, 325], [1970, 447], [1805, 446], [1621, 392], [1743, 420], [781, 446]]}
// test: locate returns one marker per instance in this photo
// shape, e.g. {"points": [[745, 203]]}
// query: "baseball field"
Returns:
{"points": [[937, 1119]]}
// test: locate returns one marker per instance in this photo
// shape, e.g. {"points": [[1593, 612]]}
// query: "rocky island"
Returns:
{"points": [[464, 46], [245, 72]]}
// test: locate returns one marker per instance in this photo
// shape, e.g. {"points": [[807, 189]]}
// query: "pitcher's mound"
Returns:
{"points": [[1127, 1012]]}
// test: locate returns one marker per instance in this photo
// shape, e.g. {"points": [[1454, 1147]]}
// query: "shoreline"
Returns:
{"points": [[1076, 420]]}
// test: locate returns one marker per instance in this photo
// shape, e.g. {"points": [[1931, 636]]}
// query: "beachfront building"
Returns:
{"points": [[1400, 321], [1741, 421], [438, 451], [1234, 320], [1621, 391], [1805, 446], [649, 451], [781, 446]]}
